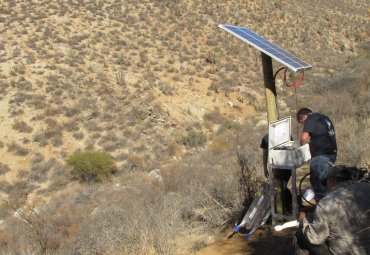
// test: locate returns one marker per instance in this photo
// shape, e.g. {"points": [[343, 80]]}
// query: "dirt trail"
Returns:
{"points": [[263, 242]]}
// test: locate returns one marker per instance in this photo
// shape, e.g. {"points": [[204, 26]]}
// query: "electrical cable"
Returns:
{"points": [[294, 86], [296, 104], [296, 83], [274, 78], [300, 189], [281, 68]]}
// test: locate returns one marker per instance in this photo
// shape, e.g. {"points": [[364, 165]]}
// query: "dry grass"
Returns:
{"points": [[150, 82], [148, 218]]}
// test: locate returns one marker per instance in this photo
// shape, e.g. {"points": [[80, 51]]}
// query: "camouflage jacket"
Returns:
{"points": [[342, 219]]}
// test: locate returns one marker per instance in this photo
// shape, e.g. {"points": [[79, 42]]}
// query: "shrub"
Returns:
{"points": [[91, 165], [22, 126], [17, 149], [195, 139], [214, 116], [4, 168]]}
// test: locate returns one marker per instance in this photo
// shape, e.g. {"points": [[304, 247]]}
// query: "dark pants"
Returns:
{"points": [[283, 195], [302, 246]]}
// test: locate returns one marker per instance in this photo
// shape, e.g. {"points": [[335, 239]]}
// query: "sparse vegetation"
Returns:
{"points": [[17, 149], [22, 126], [4, 168], [152, 84], [195, 139]]}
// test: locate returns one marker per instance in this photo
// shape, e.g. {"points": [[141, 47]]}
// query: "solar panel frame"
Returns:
{"points": [[267, 47]]}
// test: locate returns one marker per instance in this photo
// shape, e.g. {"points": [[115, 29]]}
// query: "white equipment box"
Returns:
{"points": [[283, 151]]}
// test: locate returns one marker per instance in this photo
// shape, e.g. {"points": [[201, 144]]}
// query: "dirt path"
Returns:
{"points": [[263, 242]]}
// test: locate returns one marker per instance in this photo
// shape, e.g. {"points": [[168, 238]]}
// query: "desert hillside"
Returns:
{"points": [[157, 85]]}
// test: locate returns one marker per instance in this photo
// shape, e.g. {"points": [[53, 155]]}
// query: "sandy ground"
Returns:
{"points": [[262, 242]]}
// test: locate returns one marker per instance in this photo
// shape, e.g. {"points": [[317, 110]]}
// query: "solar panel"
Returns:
{"points": [[267, 47]]}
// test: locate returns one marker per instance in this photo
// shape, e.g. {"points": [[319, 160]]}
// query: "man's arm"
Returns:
{"points": [[318, 231], [305, 137]]}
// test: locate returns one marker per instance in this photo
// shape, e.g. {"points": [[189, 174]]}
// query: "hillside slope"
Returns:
{"points": [[116, 75], [158, 85]]}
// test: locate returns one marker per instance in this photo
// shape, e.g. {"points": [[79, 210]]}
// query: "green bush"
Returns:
{"points": [[91, 165]]}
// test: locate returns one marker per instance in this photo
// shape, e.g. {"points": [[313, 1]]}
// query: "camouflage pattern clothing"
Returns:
{"points": [[342, 220]]}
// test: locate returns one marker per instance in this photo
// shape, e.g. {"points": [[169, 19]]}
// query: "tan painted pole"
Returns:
{"points": [[272, 115], [270, 89]]}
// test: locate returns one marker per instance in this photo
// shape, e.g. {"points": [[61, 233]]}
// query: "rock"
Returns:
{"points": [[282, 105], [261, 123], [155, 175], [210, 240]]}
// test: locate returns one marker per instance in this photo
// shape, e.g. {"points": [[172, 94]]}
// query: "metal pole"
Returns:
{"points": [[272, 115]]}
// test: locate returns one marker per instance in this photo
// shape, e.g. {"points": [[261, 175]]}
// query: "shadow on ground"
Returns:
{"points": [[263, 242]]}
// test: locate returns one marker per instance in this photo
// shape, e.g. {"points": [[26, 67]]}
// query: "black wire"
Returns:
{"points": [[281, 68]]}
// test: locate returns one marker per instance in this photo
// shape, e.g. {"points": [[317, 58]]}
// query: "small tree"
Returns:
{"points": [[91, 165], [248, 177]]}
